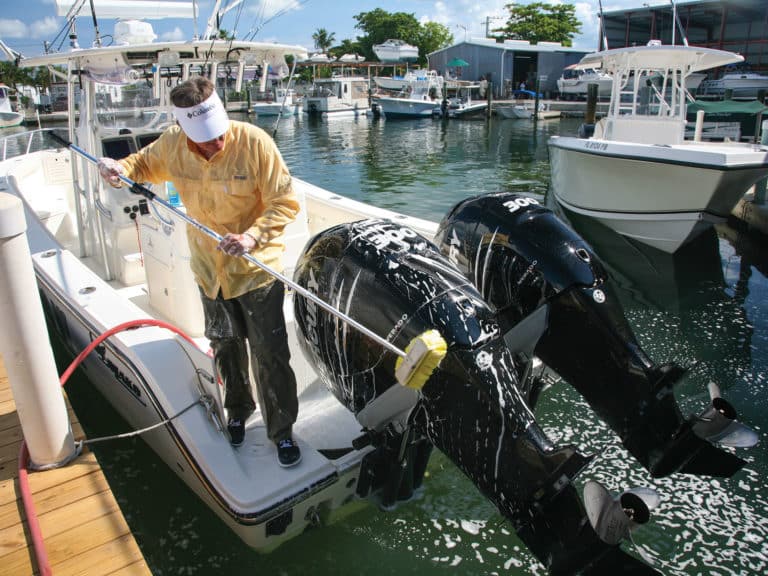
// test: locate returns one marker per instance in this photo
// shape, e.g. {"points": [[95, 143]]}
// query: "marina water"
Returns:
{"points": [[705, 307]]}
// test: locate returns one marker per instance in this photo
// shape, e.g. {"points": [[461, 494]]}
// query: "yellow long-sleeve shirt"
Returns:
{"points": [[246, 187]]}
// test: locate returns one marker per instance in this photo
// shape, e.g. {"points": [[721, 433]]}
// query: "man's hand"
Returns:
{"points": [[237, 244], [111, 170]]}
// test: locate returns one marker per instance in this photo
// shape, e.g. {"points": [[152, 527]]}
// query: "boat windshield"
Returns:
{"points": [[658, 93]]}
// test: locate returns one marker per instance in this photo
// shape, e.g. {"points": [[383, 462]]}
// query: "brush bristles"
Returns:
{"points": [[423, 355]]}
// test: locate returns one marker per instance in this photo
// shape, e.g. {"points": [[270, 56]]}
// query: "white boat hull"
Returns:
{"points": [[740, 85], [275, 109], [150, 374], [406, 107], [658, 195], [338, 97], [10, 119], [519, 112], [577, 88], [396, 53]]}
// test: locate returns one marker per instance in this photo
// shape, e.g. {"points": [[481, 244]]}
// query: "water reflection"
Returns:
{"points": [[683, 303], [421, 167]]}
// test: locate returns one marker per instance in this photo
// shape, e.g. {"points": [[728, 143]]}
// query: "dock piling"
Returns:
{"points": [[25, 347], [760, 186]]}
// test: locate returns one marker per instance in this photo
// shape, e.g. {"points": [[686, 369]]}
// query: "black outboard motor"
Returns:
{"points": [[397, 284], [553, 300]]}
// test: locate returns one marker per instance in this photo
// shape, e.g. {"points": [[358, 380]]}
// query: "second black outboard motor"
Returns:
{"points": [[396, 283], [553, 300]]}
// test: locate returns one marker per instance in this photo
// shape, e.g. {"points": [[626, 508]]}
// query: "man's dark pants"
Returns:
{"points": [[254, 321]]}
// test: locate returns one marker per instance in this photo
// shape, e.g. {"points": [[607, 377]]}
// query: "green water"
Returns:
{"points": [[708, 305]]}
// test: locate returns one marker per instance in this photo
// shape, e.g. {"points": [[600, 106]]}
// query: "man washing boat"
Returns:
{"points": [[232, 178]]}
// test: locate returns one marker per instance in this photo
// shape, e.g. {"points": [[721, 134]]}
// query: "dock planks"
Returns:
{"points": [[81, 522]]}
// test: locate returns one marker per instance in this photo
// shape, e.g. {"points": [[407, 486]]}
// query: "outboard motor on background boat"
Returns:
{"points": [[553, 301], [396, 283]]}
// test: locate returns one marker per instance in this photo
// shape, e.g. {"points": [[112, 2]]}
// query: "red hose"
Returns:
{"points": [[41, 556]]}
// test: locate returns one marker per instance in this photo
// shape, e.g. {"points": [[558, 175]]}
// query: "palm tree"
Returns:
{"points": [[323, 39]]}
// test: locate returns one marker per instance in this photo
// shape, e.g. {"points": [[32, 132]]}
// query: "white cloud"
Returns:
{"points": [[45, 27], [173, 35], [13, 29]]}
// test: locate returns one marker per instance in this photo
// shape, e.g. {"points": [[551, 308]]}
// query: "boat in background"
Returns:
{"points": [[574, 82], [516, 111], [319, 58], [8, 116], [338, 96], [398, 83], [277, 102], [458, 101], [732, 119], [740, 84], [350, 58], [525, 111], [636, 172], [417, 99], [396, 51]]}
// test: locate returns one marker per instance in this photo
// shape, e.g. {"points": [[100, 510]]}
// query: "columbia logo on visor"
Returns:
{"points": [[202, 110]]}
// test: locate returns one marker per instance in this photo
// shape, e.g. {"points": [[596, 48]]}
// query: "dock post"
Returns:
{"points": [[25, 347], [760, 186], [489, 97], [591, 112]]}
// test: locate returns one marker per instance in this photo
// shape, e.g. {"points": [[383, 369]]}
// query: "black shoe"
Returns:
{"points": [[288, 453], [236, 429]]}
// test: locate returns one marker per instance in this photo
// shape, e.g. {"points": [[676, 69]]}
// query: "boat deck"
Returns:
{"points": [[81, 523]]}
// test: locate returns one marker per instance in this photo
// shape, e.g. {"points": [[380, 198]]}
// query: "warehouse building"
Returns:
{"points": [[739, 26], [507, 65]]}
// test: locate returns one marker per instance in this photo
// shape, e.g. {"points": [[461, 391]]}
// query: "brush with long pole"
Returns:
{"points": [[414, 365]]}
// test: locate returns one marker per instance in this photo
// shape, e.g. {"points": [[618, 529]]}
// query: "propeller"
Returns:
{"points": [[718, 423], [614, 518]]}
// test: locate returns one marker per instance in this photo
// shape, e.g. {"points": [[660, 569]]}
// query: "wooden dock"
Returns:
{"points": [[82, 526]]}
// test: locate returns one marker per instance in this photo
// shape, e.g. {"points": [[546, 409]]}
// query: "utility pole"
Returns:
{"points": [[488, 24]]}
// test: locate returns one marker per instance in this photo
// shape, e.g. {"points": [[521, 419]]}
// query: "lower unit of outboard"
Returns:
{"points": [[553, 299]]}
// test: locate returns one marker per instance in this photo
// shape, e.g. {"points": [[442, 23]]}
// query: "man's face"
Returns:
{"points": [[210, 147]]}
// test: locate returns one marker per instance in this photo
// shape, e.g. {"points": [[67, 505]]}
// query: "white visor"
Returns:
{"points": [[205, 121]]}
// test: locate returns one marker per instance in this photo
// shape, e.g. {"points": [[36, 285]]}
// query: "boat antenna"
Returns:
{"points": [[285, 98], [195, 14], [602, 25], [72, 13], [676, 22], [95, 26]]}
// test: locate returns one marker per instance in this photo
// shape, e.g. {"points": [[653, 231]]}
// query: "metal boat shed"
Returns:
{"points": [[735, 25], [507, 64]]}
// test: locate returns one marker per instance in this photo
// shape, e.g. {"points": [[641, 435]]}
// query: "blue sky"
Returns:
{"points": [[25, 24]]}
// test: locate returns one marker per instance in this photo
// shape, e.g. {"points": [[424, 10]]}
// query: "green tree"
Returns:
{"points": [[12, 75], [540, 22], [380, 25], [433, 37], [323, 39]]}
